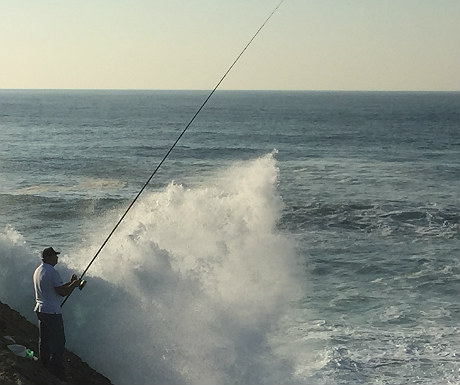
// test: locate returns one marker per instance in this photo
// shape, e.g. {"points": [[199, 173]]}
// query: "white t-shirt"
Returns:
{"points": [[46, 279]]}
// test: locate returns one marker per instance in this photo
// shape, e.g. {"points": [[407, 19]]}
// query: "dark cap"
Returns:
{"points": [[49, 252]]}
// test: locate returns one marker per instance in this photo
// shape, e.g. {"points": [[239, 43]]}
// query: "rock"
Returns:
{"points": [[15, 370]]}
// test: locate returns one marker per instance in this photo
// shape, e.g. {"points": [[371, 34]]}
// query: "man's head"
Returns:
{"points": [[50, 256]]}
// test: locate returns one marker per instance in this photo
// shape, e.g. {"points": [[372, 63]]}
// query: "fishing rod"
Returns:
{"points": [[174, 145]]}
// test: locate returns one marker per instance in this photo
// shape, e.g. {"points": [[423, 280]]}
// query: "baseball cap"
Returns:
{"points": [[49, 252]]}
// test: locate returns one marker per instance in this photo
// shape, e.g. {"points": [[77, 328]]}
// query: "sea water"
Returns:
{"points": [[289, 238]]}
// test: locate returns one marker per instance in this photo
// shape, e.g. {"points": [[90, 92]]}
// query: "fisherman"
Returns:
{"points": [[49, 289]]}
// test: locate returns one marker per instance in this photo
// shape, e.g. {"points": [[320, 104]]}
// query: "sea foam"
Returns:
{"points": [[188, 290]]}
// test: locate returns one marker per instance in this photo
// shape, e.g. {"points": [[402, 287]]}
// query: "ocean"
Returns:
{"points": [[289, 238]]}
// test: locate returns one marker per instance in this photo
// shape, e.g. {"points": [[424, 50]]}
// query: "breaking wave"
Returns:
{"points": [[189, 290]]}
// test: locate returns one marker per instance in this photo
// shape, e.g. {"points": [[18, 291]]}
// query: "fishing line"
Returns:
{"points": [[177, 140]]}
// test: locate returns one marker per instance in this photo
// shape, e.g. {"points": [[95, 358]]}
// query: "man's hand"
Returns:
{"points": [[68, 287], [75, 281]]}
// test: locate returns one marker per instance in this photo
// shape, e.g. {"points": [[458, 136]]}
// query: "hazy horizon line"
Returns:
{"points": [[226, 89]]}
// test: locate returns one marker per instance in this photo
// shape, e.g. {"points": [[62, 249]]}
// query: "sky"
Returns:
{"points": [[396, 45]]}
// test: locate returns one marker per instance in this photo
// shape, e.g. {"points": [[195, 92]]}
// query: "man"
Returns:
{"points": [[49, 290]]}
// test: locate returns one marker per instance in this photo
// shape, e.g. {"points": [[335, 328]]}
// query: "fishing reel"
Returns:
{"points": [[82, 284]]}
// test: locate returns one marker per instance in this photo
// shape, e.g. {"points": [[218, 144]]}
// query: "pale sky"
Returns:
{"points": [[185, 44]]}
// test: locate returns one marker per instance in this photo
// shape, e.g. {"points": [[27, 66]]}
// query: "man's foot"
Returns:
{"points": [[44, 363], [58, 371]]}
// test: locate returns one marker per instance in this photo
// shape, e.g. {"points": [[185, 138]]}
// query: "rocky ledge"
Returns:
{"points": [[16, 370]]}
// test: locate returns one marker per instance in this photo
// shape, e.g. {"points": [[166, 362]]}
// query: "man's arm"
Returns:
{"points": [[67, 288]]}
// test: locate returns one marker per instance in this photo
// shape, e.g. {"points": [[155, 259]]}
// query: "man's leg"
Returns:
{"points": [[44, 339], [58, 342]]}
